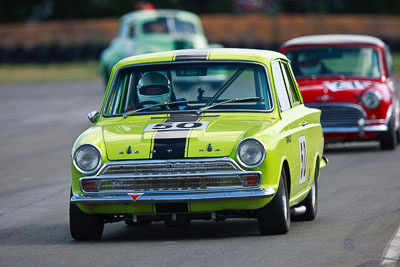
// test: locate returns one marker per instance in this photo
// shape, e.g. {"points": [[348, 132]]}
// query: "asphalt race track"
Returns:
{"points": [[358, 216]]}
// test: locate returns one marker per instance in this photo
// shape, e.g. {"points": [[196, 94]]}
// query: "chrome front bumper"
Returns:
{"points": [[169, 196], [360, 129]]}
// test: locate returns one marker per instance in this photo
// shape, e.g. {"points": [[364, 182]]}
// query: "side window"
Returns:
{"points": [[132, 33], [290, 84], [116, 92], [389, 61], [117, 103], [280, 87]]}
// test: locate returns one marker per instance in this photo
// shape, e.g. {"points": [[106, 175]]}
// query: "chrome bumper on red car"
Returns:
{"points": [[371, 128]]}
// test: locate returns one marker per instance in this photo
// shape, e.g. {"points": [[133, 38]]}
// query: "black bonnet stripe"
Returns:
{"points": [[172, 144], [192, 55]]}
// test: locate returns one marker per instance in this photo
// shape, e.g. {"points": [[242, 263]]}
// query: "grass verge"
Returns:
{"points": [[88, 70], [52, 72], [396, 63]]}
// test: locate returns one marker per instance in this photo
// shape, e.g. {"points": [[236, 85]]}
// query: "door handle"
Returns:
{"points": [[304, 123]]}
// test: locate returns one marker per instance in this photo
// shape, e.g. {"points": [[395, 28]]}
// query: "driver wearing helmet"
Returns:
{"points": [[310, 64], [153, 88]]}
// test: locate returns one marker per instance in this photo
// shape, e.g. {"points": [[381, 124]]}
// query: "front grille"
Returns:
{"points": [[159, 175], [183, 44], [169, 168], [166, 183], [335, 115]]}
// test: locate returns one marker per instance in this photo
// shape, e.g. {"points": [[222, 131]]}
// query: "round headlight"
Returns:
{"points": [[371, 99], [87, 158], [251, 152]]}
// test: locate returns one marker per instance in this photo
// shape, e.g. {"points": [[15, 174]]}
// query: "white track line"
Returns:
{"points": [[391, 254]]}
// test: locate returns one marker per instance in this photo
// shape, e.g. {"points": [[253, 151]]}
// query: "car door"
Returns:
{"points": [[306, 123], [294, 133]]}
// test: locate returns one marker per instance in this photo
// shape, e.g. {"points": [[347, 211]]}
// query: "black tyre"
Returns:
{"points": [[85, 226], [274, 218], [388, 139], [311, 201]]}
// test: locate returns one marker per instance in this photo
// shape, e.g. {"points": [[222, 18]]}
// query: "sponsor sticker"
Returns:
{"points": [[176, 126]]}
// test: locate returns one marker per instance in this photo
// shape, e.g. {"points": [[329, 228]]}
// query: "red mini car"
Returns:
{"points": [[348, 77]]}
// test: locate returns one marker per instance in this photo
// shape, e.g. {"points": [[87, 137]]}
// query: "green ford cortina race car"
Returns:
{"points": [[198, 134]]}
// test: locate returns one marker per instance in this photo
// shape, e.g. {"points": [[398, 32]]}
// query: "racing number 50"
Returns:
{"points": [[176, 126], [303, 158]]}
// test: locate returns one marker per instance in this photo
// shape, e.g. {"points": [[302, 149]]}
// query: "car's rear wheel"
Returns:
{"points": [[85, 226], [311, 201], [388, 140], [274, 218]]}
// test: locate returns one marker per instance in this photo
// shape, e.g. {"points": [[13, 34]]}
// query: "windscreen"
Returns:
{"points": [[193, 86], [335, 61], [168, 25]]}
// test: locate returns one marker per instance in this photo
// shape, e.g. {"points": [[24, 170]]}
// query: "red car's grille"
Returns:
{"points": [[344, 115]]}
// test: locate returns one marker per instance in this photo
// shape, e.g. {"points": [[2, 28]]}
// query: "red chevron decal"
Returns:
{"points": [[135, 196]]}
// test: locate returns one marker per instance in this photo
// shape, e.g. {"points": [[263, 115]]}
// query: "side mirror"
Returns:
{"points": [[93, 116]]}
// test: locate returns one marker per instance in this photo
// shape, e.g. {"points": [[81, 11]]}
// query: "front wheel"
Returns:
{"points": [[274, 218], [388, 140], [85, 226]]}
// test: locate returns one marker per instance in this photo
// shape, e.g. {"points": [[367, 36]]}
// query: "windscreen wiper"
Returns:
{"points": [[163, 104], [225, 86], [233, 100]]}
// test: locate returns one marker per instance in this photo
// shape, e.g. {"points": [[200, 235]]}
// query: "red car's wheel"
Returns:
{"points": [[388, 140]]}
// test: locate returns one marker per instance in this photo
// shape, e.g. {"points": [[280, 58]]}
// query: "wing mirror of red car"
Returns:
{"points": [[93, 116]]}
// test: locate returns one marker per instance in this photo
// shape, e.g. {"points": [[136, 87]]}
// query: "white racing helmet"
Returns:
{"points": [[309, 64], [155, 87]]}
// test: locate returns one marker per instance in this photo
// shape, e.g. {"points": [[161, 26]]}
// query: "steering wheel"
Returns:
{"points": [[148, 103]]}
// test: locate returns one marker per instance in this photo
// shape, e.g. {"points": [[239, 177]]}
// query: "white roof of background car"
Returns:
{"points": [[142, 14], [334, 39]]}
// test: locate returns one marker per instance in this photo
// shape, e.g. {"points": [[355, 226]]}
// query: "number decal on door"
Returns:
{"points": [[303, 159]]}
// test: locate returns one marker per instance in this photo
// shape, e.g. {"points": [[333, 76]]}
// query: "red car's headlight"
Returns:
{"points": [[371, 99]]}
